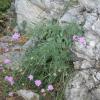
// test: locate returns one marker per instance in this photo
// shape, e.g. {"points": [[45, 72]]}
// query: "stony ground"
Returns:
{"points": [[9, 49]]}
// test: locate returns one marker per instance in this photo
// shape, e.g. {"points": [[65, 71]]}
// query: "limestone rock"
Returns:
{"points": [[96, 93], [98, 75], [72, 15], [28, 95], [90, 19], [28, 13], [78, 88], [89, 4], [83, 64], [90, 51], [96, 27]]}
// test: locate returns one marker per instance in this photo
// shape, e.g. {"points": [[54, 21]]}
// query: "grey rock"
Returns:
{"points": [[30, 12], [96, 93], [72, 15], [98, 75], [28, 95], [83, 64], [90, 51], [96, 27], [79, 86], [90, 19], [89, 4]]}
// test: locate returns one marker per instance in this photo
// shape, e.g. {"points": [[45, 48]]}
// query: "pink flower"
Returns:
{"points": [[79, 39], [7, 61], [16, 36], [82, 40], [38, 82], [50, 87], [10, 80], [30, 77]]}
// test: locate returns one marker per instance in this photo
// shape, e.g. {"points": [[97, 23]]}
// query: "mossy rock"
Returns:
{"points": [[4, 5]]}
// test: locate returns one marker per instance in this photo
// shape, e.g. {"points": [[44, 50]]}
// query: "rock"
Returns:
{"points": [[97, 51], [98, 75], [90, 19], [28, 95], [82, 64], [96, 93], [98, 64], [96, 27], [90, 51], [72, 15], [79, 94], [78, 88], [77, 65], [30, 12], [89, 4]]}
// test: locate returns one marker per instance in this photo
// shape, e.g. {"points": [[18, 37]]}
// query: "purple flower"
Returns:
{"points": [[15, 36], [9, 79], [82, 40], [30, 77], [50, 87], [7, 61], [79, 39], [38, 82]]}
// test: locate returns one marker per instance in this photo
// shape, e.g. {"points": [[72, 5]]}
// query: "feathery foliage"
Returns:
{"points": [[4, 5], [50, 60]]}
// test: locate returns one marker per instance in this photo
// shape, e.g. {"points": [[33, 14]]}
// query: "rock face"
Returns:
{"points": [[90, 4], [73, 14], [29, 12], [85, 85]]}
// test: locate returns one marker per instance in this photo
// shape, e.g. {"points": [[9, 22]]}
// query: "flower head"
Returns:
{"points": [[30, 77], [38, 82], [7, 61], [50, 87], [15, 36], [81, 40], [9, 79]]}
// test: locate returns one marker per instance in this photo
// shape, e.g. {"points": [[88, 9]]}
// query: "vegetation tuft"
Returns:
{"points": [[51, 60], [4, 5]]}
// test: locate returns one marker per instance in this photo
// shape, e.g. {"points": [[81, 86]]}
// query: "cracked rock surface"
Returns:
{"points": [[85, 85]]}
